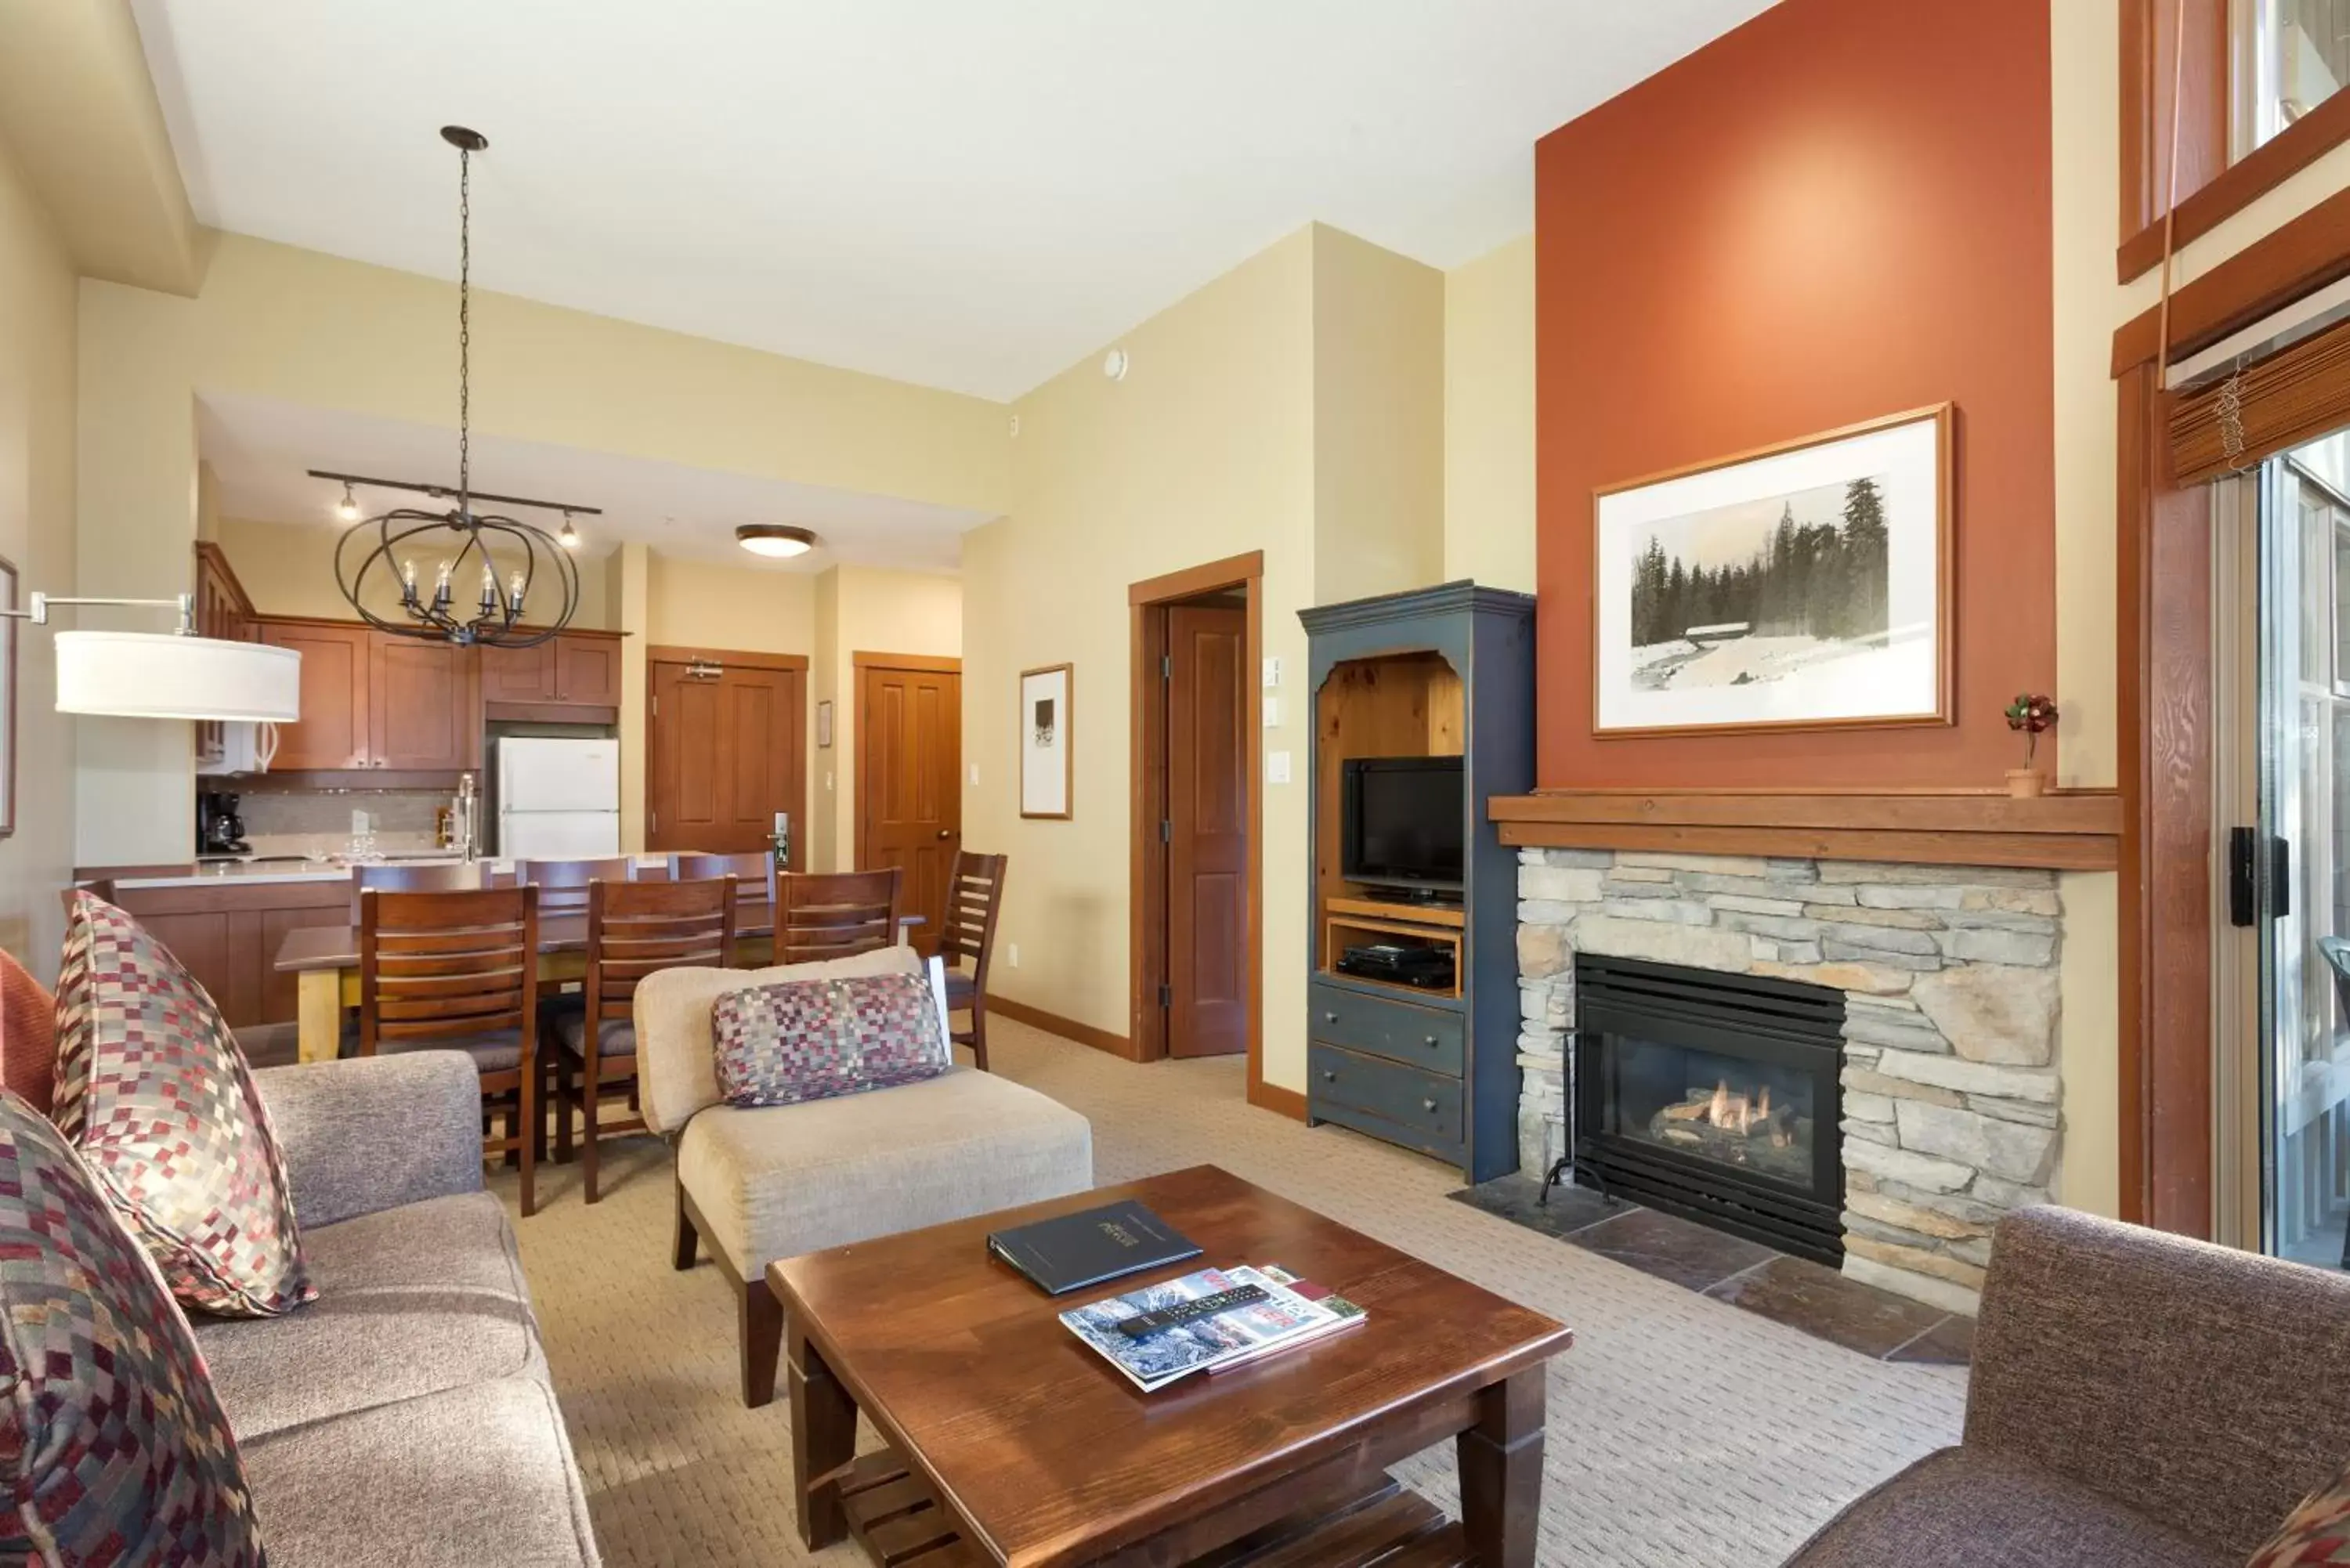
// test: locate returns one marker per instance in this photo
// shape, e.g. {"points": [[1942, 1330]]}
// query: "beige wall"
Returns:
{"points": [[288, 568], [701, 604], [37, 522], [301, 327], [1378, 420], [1205, 450], [1488, 419], [873, 611]]}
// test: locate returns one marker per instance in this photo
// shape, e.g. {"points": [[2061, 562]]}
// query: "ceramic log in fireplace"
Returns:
{"points": [[1715, 1096]]}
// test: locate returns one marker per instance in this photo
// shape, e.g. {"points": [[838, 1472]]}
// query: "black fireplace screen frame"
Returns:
{"points": [[1782, 1024]]}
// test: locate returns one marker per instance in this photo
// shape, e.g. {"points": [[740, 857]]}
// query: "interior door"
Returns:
{"points": [[722, 755], [910, 784], [1207, 831]]}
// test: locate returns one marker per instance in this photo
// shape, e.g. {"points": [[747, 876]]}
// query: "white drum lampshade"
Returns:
{"points": [[149, 675]]}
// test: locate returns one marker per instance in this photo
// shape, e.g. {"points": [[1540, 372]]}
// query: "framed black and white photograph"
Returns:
{"points": [[1804, 586], [1047, 768], [7, 698]]}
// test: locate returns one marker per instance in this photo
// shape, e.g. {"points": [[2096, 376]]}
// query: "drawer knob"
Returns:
{"points": [[1427, 1105], [1430, 1042], [1328, 1076], [1329, 1018]]}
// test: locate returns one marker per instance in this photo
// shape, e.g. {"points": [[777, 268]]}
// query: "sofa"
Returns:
{"points": [[2137, 1399], [405, 1416]]}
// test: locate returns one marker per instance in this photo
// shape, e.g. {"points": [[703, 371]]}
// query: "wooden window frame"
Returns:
{"points": [[2206, 78]]}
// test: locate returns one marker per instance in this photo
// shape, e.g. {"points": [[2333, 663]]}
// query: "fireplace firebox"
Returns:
{"points": [[1715, 1096]]}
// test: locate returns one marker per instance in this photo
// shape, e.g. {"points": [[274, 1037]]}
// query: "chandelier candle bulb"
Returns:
{"points": [[515, 586], [408, 581]]}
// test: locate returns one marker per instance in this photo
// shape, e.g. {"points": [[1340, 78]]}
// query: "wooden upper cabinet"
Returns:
{"points": [[519, 674], [587, 670], [424, 705], [222, 611], [333, 731]]}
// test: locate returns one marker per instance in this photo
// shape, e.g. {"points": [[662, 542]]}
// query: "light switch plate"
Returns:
{"points": [[1012, 953], [1276, 767], [974, 773], [1272, 712], [1272, 669]]}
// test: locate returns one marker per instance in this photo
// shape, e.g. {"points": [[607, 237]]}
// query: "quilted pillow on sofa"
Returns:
{"points": [[2314, 1535], [155, 1094], [112, 1438], [811, 1039]]}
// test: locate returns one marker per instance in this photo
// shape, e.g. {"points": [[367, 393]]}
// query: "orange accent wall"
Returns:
{"points": [[1838, 210]]}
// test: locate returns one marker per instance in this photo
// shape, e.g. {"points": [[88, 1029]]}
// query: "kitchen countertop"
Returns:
{"points": [[251, 873]]}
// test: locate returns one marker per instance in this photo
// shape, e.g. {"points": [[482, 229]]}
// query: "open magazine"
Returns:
{"points": [[1153, 1361]]}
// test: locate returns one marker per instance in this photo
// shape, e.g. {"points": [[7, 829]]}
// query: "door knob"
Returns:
{"points": [[946, 832]]}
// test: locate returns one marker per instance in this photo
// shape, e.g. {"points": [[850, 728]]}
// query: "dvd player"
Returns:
{"points": [[1429, 968]]}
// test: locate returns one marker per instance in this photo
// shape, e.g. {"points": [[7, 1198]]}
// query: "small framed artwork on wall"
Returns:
{"points": [[824, 724], [7, 699], [1047, 769], [1806, 586]]}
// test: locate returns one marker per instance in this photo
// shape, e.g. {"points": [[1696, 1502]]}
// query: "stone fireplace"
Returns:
{"points": [[1945, 1047]]}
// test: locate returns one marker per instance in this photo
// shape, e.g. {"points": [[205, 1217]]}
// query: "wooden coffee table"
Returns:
{"points": [[1009, 1441]]}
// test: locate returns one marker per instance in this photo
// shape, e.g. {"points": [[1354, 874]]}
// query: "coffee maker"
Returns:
{"points": [[219, 829]]}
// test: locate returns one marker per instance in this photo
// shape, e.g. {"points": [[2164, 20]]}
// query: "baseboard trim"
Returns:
{"points": [[1274, 1098], [1069, 1028]]}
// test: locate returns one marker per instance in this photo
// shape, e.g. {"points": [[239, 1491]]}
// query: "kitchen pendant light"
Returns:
{"points": [[377, 559]]}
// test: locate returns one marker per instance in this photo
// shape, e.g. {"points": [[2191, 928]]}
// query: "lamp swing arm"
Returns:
{"points": [[41, 604]]}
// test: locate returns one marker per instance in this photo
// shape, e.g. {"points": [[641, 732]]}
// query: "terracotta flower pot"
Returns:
{"points": [[2026, 784]]}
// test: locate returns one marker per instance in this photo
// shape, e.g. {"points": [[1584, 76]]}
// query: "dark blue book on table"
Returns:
{"points": [[1071, 1251]]}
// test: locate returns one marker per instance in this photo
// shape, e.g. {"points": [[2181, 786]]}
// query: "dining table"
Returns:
{"points": [[325, 962]]}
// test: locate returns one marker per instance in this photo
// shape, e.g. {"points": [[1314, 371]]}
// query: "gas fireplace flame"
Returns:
{"points": [[1734, 1111]]}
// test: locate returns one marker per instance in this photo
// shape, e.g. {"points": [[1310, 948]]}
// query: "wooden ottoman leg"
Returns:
{"points": [[1501, 1461], [763, 1342], [823, 1439]]}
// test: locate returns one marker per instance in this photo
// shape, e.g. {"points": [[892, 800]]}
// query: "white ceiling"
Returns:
{"points": [[966, 195], [260, 450]]}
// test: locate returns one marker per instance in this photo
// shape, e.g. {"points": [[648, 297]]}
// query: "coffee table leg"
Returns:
{"points": [[1500, 1462], [823, 1439]]}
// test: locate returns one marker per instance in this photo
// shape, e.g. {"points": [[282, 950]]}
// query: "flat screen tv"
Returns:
{"points": [[1404, 821]]}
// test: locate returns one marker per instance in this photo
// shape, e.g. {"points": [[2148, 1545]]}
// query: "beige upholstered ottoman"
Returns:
{"points": [[773, 1182]]}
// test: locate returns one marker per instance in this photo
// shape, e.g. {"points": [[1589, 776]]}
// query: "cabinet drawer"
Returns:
{"points": [[1420, 1102], [1423, 1036]]}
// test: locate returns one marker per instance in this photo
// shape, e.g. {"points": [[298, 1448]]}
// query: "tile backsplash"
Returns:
{"points": [[290, 823]]}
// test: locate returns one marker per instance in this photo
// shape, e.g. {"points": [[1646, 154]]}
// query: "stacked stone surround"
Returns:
{"points": [[1950, 1107]]}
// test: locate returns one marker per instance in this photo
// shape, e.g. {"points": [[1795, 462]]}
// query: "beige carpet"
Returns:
{"points": [[1682, 1432]]}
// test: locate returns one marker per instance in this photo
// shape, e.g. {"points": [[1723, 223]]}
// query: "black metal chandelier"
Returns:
{"points": [[510, 556]]}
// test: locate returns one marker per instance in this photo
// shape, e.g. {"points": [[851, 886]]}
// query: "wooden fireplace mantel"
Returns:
{"points": [[2067, 830]]}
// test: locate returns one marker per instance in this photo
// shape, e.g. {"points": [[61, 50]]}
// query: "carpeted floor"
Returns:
{"points": [[1683, 1432]]}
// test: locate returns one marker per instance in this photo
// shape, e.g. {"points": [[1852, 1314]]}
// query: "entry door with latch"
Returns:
{"points": [[722, 755], [909, 783], [1207, 831]]}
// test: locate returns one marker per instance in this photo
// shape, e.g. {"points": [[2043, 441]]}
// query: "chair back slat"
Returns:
{"points": [[635, 929], [837, 914], [442, 877], [974, 900], [563, 883], [754, 882], [436, 965]]}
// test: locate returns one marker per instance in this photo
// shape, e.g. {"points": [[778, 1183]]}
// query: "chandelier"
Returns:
{"points": [[456, 546]]}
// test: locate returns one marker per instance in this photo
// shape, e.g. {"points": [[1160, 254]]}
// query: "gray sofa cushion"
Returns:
{"points": [[1966, 1507], [410, 1300], [481, 1475]]}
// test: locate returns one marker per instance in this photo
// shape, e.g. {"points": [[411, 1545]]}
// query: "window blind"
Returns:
{"points": [[2294, 395]]}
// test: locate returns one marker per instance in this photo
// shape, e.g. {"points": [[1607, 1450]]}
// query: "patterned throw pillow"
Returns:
{"points": [[2315, 1533], [109, 1433], [155, 1095], [812, 1039]]}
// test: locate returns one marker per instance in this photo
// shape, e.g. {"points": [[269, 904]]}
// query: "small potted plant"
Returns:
{"points": [[2032, 715]]}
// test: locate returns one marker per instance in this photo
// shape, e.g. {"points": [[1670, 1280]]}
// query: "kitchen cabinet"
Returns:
{"points": [[518, 674], [227, 932], [333, 731], [587, 669], [565, 677], [222, 611], [423, 705]]}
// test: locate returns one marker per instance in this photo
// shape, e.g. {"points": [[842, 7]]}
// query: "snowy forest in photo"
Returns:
{"points": [[1766, 596]]}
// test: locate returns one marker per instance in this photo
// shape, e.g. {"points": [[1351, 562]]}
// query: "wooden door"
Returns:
{"points": [[423, 705], [910, 782], [1207, 831], [519, 674], [724, 754], [332, 730], [587, 670]]}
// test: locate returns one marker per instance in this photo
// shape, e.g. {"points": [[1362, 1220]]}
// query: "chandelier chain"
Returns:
{"points": [[464, 328]]}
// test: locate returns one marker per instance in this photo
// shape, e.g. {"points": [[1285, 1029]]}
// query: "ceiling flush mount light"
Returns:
{"points": [[376, 558], [148, 675], [777, 539]]}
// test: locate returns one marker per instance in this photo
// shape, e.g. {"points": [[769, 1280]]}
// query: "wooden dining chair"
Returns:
{"points": [[823, 915], [457, 970], [634, 928], [563, 883], [974, 899], [438, 876], [755, 894]]}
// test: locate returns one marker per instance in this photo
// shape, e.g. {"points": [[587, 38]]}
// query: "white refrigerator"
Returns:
{"points": [[558, 800]]}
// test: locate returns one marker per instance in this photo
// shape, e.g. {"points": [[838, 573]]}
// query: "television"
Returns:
{"points": [[1403, 822]]}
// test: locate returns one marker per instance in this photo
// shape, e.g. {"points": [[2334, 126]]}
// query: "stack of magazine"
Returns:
{"points": [[1295, 1311]]}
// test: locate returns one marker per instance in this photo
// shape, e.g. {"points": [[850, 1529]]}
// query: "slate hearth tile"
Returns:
{"points": [[1825, 1304], [1949, 1343], [1671, 1248], [1519, 1200]]}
